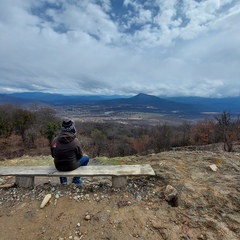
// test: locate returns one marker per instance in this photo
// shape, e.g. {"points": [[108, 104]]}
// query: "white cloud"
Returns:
{"points": [[158, 47]]}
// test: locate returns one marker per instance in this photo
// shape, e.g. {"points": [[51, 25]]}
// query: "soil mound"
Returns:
{"points": [[207, 204]]}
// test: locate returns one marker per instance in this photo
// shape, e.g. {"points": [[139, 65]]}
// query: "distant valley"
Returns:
{"points": [[173, 107]]}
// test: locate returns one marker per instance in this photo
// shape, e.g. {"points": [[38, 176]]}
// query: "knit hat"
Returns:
{"points": [[68, 125]]}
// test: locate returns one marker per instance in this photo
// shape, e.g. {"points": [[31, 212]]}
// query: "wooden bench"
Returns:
{"points": [[25, 174]]}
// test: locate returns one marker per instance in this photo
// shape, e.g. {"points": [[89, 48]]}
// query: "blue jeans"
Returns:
{"points": [[83, 162]]}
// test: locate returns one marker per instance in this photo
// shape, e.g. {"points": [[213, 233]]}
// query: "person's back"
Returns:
{"points": [[66, 150]]}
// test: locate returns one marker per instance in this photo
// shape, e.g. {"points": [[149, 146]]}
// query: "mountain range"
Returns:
{"points": [[141, 102]]}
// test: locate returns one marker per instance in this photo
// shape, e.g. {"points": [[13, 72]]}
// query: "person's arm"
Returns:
{"points": [[53, 144], [52, 152], [79, 152]]}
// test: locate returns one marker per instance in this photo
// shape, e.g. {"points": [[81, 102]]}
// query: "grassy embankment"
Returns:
{"points": [[48, 161]]}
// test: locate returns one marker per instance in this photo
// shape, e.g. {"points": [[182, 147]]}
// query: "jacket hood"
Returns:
{"points": [[66, 137]]}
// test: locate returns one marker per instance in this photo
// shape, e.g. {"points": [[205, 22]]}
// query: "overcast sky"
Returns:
{"points": [[161, 47]]}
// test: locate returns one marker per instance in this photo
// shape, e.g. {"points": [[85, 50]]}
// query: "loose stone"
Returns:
{"points": [[45, 200], [170, 193]]}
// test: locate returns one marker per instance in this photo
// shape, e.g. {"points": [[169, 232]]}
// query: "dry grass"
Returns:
{"points": [[48, 161], [111, 161], [216, 160], [29, 161]]}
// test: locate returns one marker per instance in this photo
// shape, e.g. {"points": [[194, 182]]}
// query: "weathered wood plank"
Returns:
{"points": [[102, 170], [26, 170], [112, 170], [25, 174]]}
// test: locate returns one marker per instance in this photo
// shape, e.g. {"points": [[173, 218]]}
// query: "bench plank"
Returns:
{"points": [[96, 170], [25, 174], [26, 170]]}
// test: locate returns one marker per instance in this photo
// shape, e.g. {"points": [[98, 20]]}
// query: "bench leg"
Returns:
{"points": [[119, 181], [25, 182]]}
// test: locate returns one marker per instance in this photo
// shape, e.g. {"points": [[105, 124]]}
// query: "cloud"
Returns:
{"points": [[120, 47]]}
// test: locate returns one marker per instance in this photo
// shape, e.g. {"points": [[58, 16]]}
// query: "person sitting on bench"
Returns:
{"points": [[67, 152]]}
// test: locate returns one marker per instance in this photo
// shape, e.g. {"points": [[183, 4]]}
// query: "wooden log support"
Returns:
{"points": [[25, 174]]}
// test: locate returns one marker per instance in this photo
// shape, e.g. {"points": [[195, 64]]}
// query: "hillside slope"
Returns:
{"points": [[208, 203]]}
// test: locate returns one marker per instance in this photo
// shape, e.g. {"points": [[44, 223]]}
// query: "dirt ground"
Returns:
{"points": [[208, 205]]}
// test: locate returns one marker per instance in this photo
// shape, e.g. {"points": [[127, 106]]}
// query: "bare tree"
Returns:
{"points": [[225, 128], [184, 133], [6, 119], [23, 120], [99, 141], [161, 135], [142, 144]]}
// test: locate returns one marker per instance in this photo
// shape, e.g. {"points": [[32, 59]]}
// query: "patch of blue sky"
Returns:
{"points": [[119, 10], [228, 6], [125, 15], [180, 14], [61, 28], [95, 36], [117, 4], [41, 10]]}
